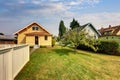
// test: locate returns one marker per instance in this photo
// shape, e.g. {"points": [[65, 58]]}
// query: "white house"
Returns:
{"points": [[90, 30]]}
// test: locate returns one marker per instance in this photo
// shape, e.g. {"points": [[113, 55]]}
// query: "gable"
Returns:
{"points": [[34, 27], [90, 29]]}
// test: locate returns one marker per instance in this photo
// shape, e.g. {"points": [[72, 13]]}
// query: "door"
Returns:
{"points": [[36, 40]]}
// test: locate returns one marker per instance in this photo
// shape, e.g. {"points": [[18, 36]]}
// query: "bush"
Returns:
{"points": [[109, 47], [84, 47], [91, 46], [43, 46], [53, 42]]}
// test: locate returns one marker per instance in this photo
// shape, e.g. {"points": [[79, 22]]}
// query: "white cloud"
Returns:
{"points": [[72, 3], [93, 1], [101, 19], [52, 11]]}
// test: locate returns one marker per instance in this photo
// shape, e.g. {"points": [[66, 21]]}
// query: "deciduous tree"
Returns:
{"points": [[75, 37]]}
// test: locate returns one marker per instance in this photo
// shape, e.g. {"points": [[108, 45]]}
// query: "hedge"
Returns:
{"points": [[106, 47], [109, 47]]}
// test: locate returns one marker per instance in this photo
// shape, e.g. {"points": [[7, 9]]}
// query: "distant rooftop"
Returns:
{"points": [[110, 31], [7, 37]]}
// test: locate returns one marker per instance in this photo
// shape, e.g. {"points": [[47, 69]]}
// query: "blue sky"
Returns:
{"points": [[16, 14]]}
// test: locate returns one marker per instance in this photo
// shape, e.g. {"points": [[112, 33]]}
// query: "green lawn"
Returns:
{"points": [[62, 64]]}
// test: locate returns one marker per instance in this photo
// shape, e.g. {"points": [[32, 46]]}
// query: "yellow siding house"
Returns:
{"points": [[34, 34]]}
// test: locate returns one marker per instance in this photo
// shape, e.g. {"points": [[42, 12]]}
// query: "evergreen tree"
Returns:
{"points": [[1, 34], [62, 29], [74, 24]]}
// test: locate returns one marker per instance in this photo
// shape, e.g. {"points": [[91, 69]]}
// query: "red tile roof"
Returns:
{"points": [[115, 30], [37, 33]]}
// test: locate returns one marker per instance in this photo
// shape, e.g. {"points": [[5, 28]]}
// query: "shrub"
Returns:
{"points": [[43, 46], [53, 42], [84, 47], [109, 47], [91, 46]]}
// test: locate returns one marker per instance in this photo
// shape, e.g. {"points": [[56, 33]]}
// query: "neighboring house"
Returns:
{"points": [[7, 39], [91, 31], [34, 34], [110, 33]]}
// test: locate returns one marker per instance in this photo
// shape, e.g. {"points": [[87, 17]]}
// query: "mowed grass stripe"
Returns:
{"points": [[63, 64]]}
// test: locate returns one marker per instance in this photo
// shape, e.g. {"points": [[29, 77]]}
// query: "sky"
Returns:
{"points": [[16, 14]]}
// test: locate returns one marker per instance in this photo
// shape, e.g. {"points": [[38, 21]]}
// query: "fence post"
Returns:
{"points": [[8, 64]]}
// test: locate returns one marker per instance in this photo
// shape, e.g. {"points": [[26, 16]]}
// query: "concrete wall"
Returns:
{"points": [[12, 60]]}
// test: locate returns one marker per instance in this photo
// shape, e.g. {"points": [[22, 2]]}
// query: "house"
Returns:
{"points": [[34, 35], [110, 33], [90, 30], [7, 39]]}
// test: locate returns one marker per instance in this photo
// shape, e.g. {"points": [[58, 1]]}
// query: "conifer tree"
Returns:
{"points": [[74, 24], [62, 29]]}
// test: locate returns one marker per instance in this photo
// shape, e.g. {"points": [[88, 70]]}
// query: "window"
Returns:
{"points": [[46, 37], [108, 32], [35, 28]]}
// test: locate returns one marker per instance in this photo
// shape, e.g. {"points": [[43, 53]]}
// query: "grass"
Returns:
{"points": [[62, 64]]}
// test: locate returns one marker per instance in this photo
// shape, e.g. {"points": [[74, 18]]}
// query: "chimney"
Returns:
{"points": [[102, 28], [109, 26]]}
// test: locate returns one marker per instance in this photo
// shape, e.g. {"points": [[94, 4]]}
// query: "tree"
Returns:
{"points": [[1, 34], [75, 37], [74, 24], [62, 29]]}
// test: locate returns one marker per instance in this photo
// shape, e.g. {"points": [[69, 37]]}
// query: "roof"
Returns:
{"points": [[38, 33], [7, 37], [29, 26], [115, 30], [89, 24]]}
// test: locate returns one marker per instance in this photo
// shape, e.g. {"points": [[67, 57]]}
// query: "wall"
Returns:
{"points": [[30, 40], [110, 38], [44, 42], [91, 32], [118, 33], [12, 60], [22, 39], [29, 30], [7, 42]]}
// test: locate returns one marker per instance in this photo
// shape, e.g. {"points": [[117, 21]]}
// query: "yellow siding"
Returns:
{"points": [[21, 38], [44, 42], [118, 33], [30, 29], [30, 40]]}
